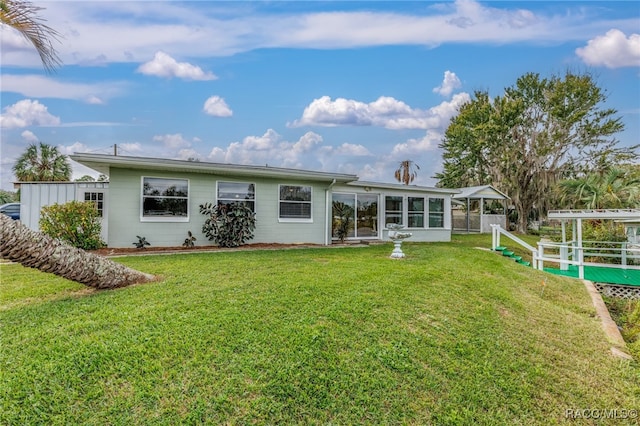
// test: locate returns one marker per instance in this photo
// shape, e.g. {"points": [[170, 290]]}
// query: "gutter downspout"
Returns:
{"points": [[328, 213]]}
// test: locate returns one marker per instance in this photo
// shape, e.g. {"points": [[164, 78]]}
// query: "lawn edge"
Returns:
{"points": [[609, 327]]}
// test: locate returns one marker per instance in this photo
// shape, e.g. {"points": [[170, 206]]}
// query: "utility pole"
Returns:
{"points": [[115, 149]]}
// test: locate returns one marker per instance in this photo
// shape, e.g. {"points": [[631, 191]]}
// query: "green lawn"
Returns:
{"points": [[449, 335]]}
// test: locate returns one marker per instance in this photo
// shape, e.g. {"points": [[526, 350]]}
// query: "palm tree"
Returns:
{"points": [[407, 172], [42, 163], [616, 188], [22, 16], [33, 249]]}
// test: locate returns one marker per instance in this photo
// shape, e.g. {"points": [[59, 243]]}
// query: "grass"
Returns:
{"points": [[449, 335]]}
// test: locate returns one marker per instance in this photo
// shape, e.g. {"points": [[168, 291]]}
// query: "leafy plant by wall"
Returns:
{"points": [[75, 222], [190, 241], [342, 220], [228, 225], [141, 243]]}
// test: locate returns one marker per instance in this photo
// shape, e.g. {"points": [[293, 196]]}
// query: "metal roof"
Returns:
{"points": [[102, 163], [403, 187], [629, 214], [483, 191]]}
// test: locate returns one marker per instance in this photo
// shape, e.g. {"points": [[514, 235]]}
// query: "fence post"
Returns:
{"points": [[624, 254], [581, 262], [564, 256], [540, 256]]}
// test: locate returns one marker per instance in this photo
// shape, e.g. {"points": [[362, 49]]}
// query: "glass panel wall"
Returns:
{"points": [[393, 209], [416, 212], [436, 212], [355, 216], [367, 215], [344, 216]]}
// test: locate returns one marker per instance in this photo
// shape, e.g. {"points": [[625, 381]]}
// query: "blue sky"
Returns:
{"points": [[350, 87]]}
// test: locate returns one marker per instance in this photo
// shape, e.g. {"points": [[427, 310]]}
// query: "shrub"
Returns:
{"points": [[626, 313], [190, 241], [342, 222], [75, 222], [228, 225], [141, 243]]}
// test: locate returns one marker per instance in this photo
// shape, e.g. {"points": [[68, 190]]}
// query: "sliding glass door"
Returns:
{"points": [[354, 216]]}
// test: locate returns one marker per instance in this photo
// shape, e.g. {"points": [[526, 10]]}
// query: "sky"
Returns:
{"points": [[345, 86]]}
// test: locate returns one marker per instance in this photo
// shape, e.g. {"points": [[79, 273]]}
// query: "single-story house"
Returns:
{"points": [[476, 208], [160, 198]]}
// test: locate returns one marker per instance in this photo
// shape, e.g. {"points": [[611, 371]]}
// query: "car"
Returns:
{"points": [[11, 209]]}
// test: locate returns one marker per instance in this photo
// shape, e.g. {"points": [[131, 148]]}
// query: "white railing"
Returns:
{"points": [[569, 253], [497, 230]]}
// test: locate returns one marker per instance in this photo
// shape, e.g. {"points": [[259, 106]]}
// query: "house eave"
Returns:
{"points": [[401, 187], [102, 163]]}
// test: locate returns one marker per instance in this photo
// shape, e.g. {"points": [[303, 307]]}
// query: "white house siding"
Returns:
{"points": [[34, 196], [125, 223]]}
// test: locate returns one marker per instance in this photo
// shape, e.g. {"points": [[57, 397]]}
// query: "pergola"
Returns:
{"points": [[577, 216], [630, 217]]}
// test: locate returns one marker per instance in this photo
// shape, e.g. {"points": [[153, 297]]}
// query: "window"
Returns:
{"points": [[393, 209], [98, 200], [165, 199], [295, 202], [237, 192], [436, 212], [416, 212]]}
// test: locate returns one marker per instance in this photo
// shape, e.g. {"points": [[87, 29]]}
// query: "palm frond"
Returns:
{"points": [[22, 16]]}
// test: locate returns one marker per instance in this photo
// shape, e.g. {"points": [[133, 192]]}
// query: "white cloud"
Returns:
{"points": [[108, 32], [450, 83], [188, 153], [27, 113], [384, 112], [173, 141], [29, 136], [217, 107], [71, 149], [428, 142], [163, 65], [131, 147], [346, 149], [612, 50], [269, 148], [37, 86]]}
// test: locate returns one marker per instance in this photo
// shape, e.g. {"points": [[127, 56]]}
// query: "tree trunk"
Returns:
{"points": [[36, 250]]}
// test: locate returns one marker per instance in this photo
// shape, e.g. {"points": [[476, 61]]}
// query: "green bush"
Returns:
{"points": [[228, 225], [626, 313], [75, 222]]}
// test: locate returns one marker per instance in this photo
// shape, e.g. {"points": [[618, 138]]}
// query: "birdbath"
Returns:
{"points": [[397, 237]]}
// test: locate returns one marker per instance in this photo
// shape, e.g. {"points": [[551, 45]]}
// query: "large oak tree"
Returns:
{"points": [[541, 130]]}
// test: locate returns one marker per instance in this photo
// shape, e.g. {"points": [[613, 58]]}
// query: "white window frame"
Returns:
{"points": [[403, 209], [255, 190], [293, 219], [443, 212], [423, 212], [144, 218], [98, 202]]}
